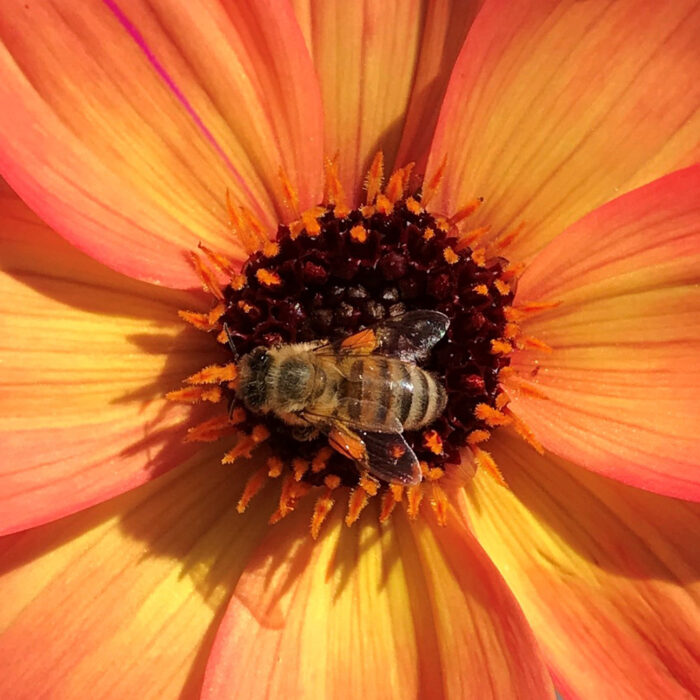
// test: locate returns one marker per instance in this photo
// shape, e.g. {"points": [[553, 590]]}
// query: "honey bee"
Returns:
{"points": [[361, 391]]}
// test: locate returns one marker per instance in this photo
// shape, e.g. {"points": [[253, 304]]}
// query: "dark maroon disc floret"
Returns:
{"points": [[333, 284]]}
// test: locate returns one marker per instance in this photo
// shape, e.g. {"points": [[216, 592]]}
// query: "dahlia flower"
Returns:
{"points": [[187, 181]]}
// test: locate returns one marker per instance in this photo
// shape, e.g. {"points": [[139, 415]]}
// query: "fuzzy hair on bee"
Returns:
{"points": [[362, 391]]}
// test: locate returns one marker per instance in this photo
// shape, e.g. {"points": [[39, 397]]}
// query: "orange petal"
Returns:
{"points": [[445, 27], [124, 125], [402, 610], [556, 107], [119, 601], [376, 62], [622, 383], [606, 574], [86, 357]]}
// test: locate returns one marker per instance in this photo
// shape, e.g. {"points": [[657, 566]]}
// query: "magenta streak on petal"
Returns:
{"points": [[141, 42]]}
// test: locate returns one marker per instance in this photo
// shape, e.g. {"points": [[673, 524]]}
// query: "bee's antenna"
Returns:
{"points": [[231, 344]]}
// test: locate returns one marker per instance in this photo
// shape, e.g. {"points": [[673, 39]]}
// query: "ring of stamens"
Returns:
{"points": [[327, 275]]}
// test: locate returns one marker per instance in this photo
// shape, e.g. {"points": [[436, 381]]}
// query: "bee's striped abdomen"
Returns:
{"points": [[385, 389]]}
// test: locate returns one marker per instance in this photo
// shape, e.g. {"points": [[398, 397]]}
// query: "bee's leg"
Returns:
{"points": [[304, 433]]}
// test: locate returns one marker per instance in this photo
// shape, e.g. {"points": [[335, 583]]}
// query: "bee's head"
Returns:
{"points": [[253, 369]]}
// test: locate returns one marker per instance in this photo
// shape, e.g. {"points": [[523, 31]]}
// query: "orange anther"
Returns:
{"points": [[268, 278], [207, 276], [214, 374], [477, 436], [491, 416], [289, 192], [431, 187], [502, 287], [291, 493], [221, 261], [501, 347], [481, 289], [334, 194], [433, 474], [332, 481], [397, 491], [502, 400], [383, 205], [309, 220], [398, 182], [358, 233], [433, 441], [216, 313], [511, 331], [319, 462], [443, 223], [438, 502], [323, 507], [270, 249], [242, 448], [274, 467], [450, 256], [415, 497], [193, 394], [259, 434], [428, 234], [375, 177], [208, 431], [369, 484], [255, 482], [413, 205], [238, 282], [387, 506], [201, 322], [358, 500], [479, 257], [300, 467], [485, 461]]}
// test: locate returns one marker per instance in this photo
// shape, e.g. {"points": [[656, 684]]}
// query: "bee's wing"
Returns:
{"points": [[385, 455], [408, 337], [390, 458]]}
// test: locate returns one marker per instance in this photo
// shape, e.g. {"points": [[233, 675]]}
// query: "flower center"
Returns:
{"points": [[328, 276]]}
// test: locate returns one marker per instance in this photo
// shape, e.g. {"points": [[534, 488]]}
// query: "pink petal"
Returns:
{"points": [[605, 573], [124, 125], [405, 610], [86, 358], [557, 107], [622, 383]]}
